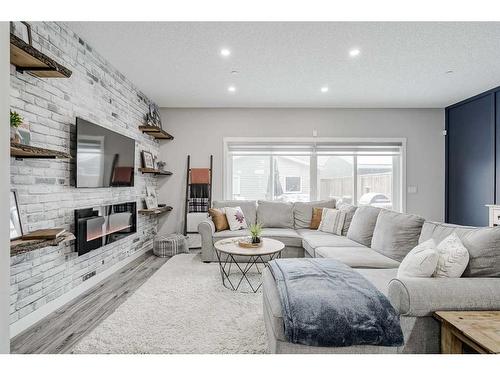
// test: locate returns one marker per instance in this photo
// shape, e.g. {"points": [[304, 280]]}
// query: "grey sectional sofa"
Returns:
{"points": [[374, 243]]}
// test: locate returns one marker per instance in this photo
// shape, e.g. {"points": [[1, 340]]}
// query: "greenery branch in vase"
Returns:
{"points": [[15, 121], [255, 232]]}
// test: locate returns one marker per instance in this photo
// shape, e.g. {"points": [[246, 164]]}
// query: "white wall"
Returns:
{"points": [[199, 132], [4, 188]]}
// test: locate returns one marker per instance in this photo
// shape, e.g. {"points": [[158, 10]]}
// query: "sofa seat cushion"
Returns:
{"points": [[316, 239], [356, 257], [483, 245], [223, 234], [379, 278], [249, 208], [288, 236], [275, 214], [396, 234]]}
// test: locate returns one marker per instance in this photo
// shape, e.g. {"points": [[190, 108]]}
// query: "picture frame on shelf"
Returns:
{"points": [[25, 136], [16, 227], [151, 193], [153, 116], [150, 203], [147, 160]]}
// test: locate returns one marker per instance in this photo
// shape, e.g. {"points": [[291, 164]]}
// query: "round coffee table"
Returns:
{"points": [[229, 252]]}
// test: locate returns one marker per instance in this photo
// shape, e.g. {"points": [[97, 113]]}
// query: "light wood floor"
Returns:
{"points": [[61, 330]]}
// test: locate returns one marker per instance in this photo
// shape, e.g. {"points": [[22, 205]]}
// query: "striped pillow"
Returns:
{"points": [[332, 221]]}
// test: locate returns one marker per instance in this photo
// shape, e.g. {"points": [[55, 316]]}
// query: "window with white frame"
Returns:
{"points": [[358, 172]]}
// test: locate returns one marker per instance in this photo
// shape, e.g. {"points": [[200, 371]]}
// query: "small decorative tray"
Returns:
{"points": [[249, 245]]}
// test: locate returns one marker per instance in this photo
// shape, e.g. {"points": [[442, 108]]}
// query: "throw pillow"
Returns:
{"points": [[235, 218], [332, 221], [349, 210], [453, 257], [421, 261], [219, 218], [316, 217]]}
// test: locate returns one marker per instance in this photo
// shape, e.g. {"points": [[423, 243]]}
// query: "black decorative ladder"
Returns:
{"points": [[198, 195]]}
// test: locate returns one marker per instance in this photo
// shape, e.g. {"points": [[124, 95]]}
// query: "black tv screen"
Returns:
{"points": [[104, 158]]}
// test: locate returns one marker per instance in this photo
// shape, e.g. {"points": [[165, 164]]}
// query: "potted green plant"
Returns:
{"points": [[255, 232], [15, 121]]}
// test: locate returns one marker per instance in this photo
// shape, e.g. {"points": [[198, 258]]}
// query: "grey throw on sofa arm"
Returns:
{"points": [[423, 296], [206, 229]]}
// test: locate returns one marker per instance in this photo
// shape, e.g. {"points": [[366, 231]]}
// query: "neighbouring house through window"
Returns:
{"points": [[293, 184], [361, 173]]}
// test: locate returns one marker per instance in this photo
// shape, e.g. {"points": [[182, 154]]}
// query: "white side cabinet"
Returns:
{"points": [[494, 215]]}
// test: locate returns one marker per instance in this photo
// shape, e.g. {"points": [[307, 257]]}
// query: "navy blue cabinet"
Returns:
{"points": [[472, 163]]}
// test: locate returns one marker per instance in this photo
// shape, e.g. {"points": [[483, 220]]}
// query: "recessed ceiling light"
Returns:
{"points": [[449, 72], [231, 89], [354, 52], [324, 89], [235, 72], [225, 52]]}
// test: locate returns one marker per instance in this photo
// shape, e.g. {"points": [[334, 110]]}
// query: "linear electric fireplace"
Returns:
{"points": [[99, 226]]}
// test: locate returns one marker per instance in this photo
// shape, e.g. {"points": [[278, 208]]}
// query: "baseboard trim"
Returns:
{"points": [[37, 315]]}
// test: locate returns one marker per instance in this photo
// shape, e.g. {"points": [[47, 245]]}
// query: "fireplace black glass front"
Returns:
{"points": [[99, 226]]}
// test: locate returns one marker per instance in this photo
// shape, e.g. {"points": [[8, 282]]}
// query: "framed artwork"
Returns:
{"points": [[153, 116], [147, 160], [150, 203], [151, 193], [16, 228]]}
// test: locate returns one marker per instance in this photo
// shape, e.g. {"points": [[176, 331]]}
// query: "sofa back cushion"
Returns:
{"points": [[396, 234], [302, 212], [483, 245], [275, 214], [249, 208], [349, 210], [362, 225]]}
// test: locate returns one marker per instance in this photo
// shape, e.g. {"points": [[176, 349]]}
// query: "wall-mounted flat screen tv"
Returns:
{"points": [[104, 158]]}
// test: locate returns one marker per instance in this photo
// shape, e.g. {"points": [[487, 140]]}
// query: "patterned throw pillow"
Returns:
{"points": [[453, 257], [316, 217], [235, 218], [219, 218], [349, 210], [332, 221]]}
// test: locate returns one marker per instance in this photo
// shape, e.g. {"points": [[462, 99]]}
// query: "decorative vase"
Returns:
{"points": [[255, 240], [14, 135]]}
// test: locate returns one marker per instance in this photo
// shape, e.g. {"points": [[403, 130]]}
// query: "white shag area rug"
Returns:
{"points": [[182, 308]]}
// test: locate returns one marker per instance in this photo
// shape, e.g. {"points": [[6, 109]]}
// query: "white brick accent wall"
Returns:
{"points": [[47, 197]]}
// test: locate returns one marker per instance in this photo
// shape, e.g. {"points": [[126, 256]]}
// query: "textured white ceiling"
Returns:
{"points": [[286, 64]]}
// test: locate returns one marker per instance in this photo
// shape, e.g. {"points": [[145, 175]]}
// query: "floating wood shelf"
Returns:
{"points": [[20, 151], [26, 58], [155, 132], [155, 171], [155, 211], [23, 246]]}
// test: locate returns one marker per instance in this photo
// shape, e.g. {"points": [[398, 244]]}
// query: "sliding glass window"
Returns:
{"points": [[361, 173]]}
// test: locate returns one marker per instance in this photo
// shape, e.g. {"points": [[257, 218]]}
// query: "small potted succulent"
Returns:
{"points": [[161, 165], [255, 232], [15, 121]]}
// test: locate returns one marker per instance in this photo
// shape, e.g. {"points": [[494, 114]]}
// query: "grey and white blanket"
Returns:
{"points": [[326, 303]]}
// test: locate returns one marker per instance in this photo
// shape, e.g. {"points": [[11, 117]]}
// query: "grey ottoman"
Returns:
{"points": [[168, 246]]}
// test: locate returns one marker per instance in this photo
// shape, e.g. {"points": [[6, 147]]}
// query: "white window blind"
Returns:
{"points": [[355, 172]]}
